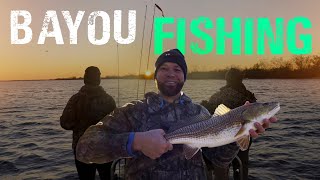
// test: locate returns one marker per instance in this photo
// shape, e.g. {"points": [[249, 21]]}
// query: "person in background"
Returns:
{"points": [[136, 131], [233, 94], [84, 109]]}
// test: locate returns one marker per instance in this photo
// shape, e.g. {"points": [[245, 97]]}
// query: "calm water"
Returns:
{"points": [[34, 146]]}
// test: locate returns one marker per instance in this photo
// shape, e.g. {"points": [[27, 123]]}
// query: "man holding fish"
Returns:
{"points": [[162, 135]]}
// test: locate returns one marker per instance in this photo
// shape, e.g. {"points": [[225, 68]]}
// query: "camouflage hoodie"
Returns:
{"points": [[107, 140], [84, 109]]}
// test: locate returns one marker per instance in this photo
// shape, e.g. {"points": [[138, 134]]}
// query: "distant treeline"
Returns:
{"points": [[298, 67]]}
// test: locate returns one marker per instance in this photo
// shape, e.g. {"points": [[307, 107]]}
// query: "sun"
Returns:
{"points": [[147, 73]]}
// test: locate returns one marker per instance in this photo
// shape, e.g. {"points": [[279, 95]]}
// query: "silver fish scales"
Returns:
{"points": [[224, 127]]}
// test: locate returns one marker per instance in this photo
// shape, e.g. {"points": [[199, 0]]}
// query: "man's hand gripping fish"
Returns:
{"points": [[224, 127]]}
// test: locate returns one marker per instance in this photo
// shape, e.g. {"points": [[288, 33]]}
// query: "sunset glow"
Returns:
{"points": [[51, 60]]}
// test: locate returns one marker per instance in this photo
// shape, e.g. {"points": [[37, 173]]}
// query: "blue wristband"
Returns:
{"points": [[129, 144]]}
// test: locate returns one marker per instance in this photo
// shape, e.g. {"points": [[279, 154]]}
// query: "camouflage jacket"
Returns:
{"points": [[84, 109], [107, 140], [230, 96]]}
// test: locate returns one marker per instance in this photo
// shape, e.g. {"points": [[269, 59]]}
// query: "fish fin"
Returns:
{"points": [[189, 151], [241, 130], [221, 110], [244, 142]]}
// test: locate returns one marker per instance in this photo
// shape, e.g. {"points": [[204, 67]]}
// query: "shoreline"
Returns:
{"points": [[68, 79]]}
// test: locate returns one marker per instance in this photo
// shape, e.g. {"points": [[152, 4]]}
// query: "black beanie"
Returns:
{"points": [[174, 56], [234, 76], [92, 76]]}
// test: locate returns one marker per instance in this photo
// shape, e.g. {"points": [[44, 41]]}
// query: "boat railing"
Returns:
{"points": [[118, 171]]}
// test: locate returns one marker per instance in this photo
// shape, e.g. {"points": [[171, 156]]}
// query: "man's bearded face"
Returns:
{"points": [[170, 79]]}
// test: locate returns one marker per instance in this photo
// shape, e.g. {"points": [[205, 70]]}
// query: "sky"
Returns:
{"points": [[50, 61]]}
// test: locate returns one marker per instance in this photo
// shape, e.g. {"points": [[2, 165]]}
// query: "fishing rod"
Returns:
{"points": [[118, 74], [141, 51], [154, 11], [144, 25]]}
